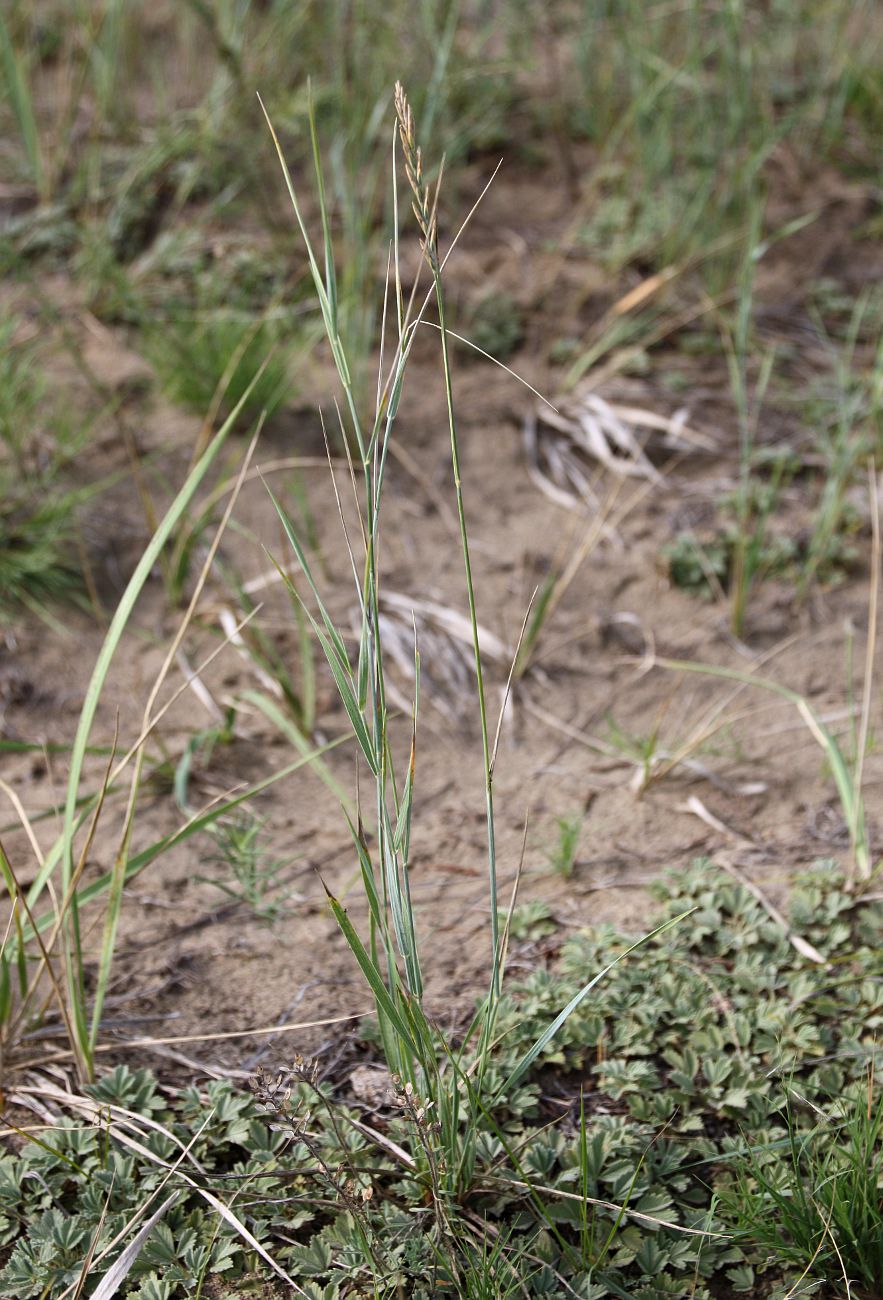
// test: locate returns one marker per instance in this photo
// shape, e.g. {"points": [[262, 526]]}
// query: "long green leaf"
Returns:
{"points": [[368, 880], [201, 822], [332, 644], [307, 669], [300, 555], [382, 997], [122, 616], [350, 703], [549, 1033], [328, 315], [335, 650], [398, 894]]}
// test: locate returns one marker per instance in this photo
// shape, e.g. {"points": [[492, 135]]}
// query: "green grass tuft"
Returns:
{"points": [[40, 550], [212, 358]]}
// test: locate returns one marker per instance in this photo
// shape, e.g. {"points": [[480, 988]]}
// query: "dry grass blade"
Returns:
{"points": [[507, 691], [24, 819], [385, 1142], [592, 743], [698, 809], [513, 898], [19, 899], [843, 1273], [232, 629], [558, 472], [199, 689], [128, 1120], [96, 1112], [795, 1289], [445, 638], [413, 467], [90, 1253], [620, 1209], [200, 583], [678, 436], [262, 1031], [455, 624], [495, 361], [586, 429], [591, 429], [185, 686], [120, 1269]]}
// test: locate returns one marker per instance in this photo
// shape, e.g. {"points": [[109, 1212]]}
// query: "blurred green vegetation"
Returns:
{"points": [[137, 162]]}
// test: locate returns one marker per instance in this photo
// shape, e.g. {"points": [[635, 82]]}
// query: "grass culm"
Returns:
{"points": [[448, 1087]]}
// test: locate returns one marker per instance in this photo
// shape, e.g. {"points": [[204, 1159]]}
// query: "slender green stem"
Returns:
{"points": [[473, 619]]}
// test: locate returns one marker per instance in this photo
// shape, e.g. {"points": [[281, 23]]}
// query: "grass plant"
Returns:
{"points": [[752, 510], [210, 362], [41, 552], [250, 871], [690, 1146], [450, 1089], [16, 76], [848, 415], [563, 858], [814, 1204]]}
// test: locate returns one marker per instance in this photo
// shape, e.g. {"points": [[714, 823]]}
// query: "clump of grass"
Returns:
{"points": [[813, 1204], [14, 64], [455, 1089], [750, 544], [847, 413], [211, 359], [729, 563], [751, 509], [39, 559], [494, 324], [563, 858], [40, 551], [251, 872]]}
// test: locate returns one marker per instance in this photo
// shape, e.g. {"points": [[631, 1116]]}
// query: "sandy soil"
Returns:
{"points": [[190, 964]]}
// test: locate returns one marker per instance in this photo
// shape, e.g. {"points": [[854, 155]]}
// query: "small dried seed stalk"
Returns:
{"points": [[290, 1114]]}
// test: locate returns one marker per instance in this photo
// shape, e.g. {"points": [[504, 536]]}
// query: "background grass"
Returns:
{"points": [[137, 159]]}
